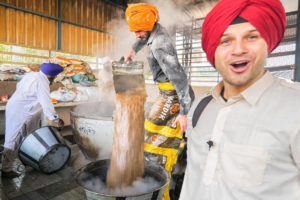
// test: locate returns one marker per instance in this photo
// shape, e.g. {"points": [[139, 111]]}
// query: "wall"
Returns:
{"points": [[290, 5], [25, 29], [92, 13]]}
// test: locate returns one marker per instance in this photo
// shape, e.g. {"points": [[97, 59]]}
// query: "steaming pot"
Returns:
{"points": [[45, 150], [93, 128], [100, 168]]}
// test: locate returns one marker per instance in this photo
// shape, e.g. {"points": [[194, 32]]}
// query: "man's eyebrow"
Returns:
{"points": [[250, 31], [253, 30], [224, 34]]}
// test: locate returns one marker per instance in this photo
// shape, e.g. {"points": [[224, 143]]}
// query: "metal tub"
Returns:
{"points": [[92, 126], [98, 170]]}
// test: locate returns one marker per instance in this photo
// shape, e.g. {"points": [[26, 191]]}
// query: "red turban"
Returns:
{"points": [[267, 16], [141, 17]]}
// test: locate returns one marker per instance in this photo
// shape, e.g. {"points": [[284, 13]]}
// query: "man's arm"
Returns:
{"points": [[295, 147], [43, 94], [129, 56], [136, 47], [166, 56], [182, 120]]}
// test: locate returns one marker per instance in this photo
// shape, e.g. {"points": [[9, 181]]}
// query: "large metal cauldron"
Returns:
{"points": [[99, 170], [45, 150], [92, 125]]}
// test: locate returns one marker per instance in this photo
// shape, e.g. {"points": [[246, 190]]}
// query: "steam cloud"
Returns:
{"points": [[170, 16]]}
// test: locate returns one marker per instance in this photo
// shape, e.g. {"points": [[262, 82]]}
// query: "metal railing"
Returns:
{"points": [[18, 55]]}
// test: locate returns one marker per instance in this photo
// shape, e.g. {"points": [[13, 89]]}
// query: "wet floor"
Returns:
{"points": [[34, 185]]}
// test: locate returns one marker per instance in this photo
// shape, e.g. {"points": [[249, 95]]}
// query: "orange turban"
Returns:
{"points": [[141, 17]]}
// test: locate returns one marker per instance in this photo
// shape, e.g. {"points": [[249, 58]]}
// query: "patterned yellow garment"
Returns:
{"points": [[162, 141]]}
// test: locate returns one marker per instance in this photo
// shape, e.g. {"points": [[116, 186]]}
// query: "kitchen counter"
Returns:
{"points": [[57, 105]]}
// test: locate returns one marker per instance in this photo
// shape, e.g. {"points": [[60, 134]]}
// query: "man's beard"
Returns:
{"points": [[51, 80], [145, 39]]}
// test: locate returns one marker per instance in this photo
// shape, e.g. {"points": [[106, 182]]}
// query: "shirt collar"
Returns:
{"points": [[153, 33], [216, 92], [251, 94], [256, 90]]}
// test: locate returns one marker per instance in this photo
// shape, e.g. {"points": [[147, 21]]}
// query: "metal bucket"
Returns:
{"points": [[128, 77], [93, 127], [99, 170], [44, 150]]}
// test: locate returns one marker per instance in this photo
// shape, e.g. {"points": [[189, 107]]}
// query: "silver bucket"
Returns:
{"points": [[128, 77], [45, 150], [99, 170]]}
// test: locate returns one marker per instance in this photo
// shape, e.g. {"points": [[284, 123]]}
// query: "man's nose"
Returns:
{"points": [[138, 35], [239, 47]]}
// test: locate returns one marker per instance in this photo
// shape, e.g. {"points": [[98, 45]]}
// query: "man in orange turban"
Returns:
{"points": [[245, 145], [168, 117]]}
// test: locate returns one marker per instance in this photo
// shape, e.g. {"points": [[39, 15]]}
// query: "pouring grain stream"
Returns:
{"points": [[127, 161]]}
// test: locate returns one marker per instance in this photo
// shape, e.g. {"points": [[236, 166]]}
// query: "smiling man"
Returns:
{"points": [[240, 57], [246, 143]]}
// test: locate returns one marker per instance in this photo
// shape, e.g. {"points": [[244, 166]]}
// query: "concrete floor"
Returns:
{"points": [[34, 185]]}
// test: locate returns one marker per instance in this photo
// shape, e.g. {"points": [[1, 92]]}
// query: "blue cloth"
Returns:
{"points": [[51, 69]]}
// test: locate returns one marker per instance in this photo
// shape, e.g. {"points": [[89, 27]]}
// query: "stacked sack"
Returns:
{"points": [[75, 70], [10, 72]]}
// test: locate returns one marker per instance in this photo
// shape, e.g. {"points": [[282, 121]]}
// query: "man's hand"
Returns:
{"points": [[129, 57], [58, 123], [182, 120]]}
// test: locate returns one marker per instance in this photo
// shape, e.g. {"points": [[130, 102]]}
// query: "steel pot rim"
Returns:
{"points": [[84, 168], [77, 115]]}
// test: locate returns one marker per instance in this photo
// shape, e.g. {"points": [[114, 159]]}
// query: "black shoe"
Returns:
{"points": [[10, 174]]}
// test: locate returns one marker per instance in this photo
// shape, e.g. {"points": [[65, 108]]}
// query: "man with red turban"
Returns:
{"points": [[168, 117], [23, 113], [244, 137]]}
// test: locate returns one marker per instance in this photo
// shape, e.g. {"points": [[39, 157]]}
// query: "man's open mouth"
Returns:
{"points": [[239, 64]]}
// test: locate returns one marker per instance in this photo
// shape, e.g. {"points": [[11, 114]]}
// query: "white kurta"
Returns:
{"points": [[24, 108]]}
